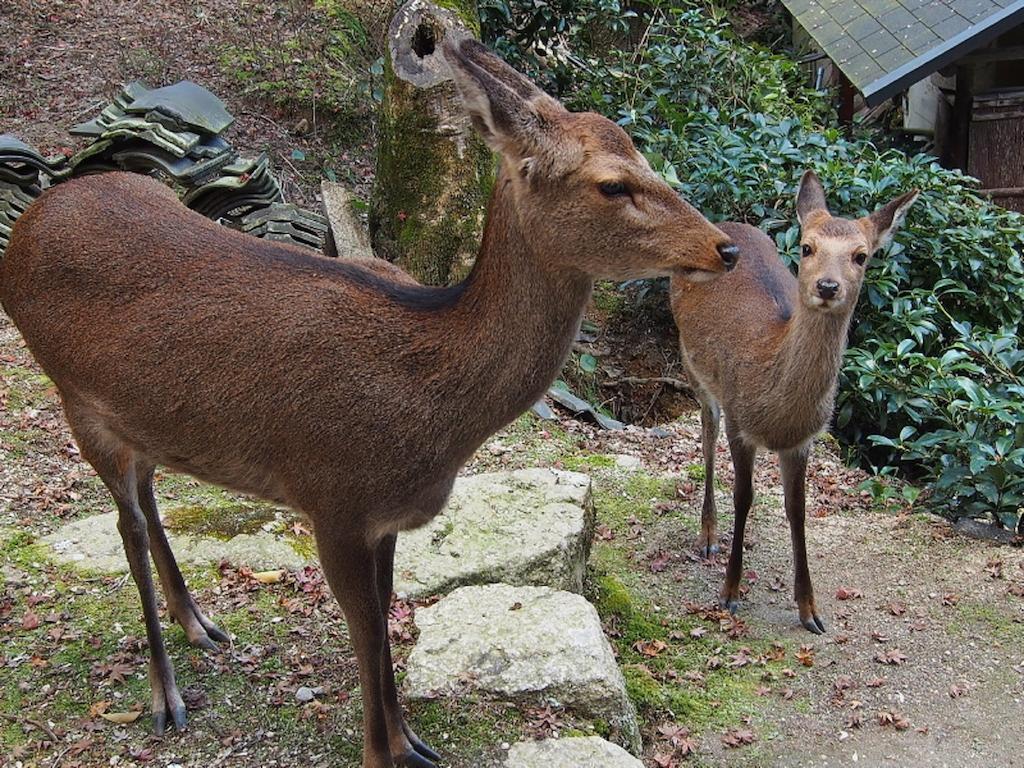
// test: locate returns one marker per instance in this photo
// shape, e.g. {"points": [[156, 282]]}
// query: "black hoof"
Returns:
{"points": [[206, 643], [814, 624], [731, 605], [217, 633], [180, 718], [422, 749]]}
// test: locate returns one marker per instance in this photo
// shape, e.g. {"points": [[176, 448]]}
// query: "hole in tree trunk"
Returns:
{"points": [[424, 40]]}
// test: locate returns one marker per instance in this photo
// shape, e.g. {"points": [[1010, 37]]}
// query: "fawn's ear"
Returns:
{"points": [[887, 219], [810, 197], [514, 116]]}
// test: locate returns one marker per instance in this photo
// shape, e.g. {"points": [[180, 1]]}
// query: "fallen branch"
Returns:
{"points": [[677, 384], [22, 721]]}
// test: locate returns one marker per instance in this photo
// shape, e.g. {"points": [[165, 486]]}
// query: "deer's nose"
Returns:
{"points": [[730, 254], [827, 288]]}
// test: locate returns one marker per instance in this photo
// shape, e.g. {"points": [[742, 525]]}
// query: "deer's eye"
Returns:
{"points": [[613, 189], [860, 257], [806, 250]]}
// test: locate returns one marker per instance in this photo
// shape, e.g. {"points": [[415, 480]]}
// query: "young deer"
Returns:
{"points": [[341, 388], [765, 347]]}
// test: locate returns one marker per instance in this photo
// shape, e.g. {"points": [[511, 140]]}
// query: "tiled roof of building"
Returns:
{"points": [[884, 46]]}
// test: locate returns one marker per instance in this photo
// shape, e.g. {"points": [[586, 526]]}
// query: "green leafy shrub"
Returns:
{"points": [[932, 380]]}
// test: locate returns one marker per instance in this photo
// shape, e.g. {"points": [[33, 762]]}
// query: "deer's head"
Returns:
{"points": [[583, 193], [834, 252]]}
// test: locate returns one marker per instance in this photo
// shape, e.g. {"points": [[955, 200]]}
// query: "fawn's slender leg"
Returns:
{"points": [[201, 632], [793, 464], [743, 496], [403, 739], [350, 567], [116, 466], [710, 415]]}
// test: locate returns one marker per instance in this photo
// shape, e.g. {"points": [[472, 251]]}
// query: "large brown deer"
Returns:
{"points": [[765, 347], [341, 388]]}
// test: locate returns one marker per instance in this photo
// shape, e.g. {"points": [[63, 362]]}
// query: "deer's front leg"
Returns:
{"points": [[405, 744], [710, 415], [743, 496], [351, 568], [794, 478]]}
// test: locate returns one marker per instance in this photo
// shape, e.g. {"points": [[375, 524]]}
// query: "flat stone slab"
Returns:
{"points": [[94, 544], [526, 527], [522, 644], [530, 526], [570, 753]]}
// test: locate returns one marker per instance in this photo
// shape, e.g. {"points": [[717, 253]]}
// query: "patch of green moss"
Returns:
{"points": [[584, 461], [220, 521], [26, 388], [320, 60], [619, 497], [726, 694], [428, 204], [467, 12], [608, 298], [696, 472], [996, 622], [474, 727]]}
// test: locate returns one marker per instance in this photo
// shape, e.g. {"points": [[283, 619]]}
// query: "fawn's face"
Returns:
{"points": [[834, 252], [584, 195]]}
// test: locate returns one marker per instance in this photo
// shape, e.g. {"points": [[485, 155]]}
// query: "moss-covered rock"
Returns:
{"points": [[434, 173]]}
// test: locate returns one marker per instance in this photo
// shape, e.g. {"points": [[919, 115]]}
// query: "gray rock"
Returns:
{"points": [[523, 644], [591, 751], [526, 527], [531, 526], [304, 694], [93, 544]]}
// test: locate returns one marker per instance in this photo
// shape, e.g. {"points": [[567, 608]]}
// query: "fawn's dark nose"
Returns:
{"points": [[827, 289], [730, 254]]}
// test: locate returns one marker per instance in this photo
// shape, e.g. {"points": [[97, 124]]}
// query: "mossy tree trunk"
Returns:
{"points": [[434, 173]]}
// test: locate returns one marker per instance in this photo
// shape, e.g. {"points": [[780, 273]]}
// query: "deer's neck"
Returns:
{"points": [[513, 326], [807, 365]]}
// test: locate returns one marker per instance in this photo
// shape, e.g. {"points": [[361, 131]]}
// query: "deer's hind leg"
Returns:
{"points": [[117, 466], [710, 417], [743, 454], [199, 629]]}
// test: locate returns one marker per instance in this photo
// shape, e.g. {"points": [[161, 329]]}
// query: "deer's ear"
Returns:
{"points": [[810, 197], [887, 219], [513, 115]]}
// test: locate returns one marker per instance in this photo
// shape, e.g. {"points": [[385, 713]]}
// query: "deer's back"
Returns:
{"points": [[247, 363], [729, 327]]}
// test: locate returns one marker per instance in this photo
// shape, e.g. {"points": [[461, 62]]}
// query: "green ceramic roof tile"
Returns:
{"points": [[884, 46], [188, 104]]}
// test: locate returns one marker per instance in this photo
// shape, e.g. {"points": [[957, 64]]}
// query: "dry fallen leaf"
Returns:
{"points": [[268, 577], [121, 718], [736, 737], [650, 648], [848, 593], [894, 657]]}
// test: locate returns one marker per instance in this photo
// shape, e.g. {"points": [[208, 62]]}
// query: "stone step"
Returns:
{"points": [[525, 645], [530, 526], [587, 752]]}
